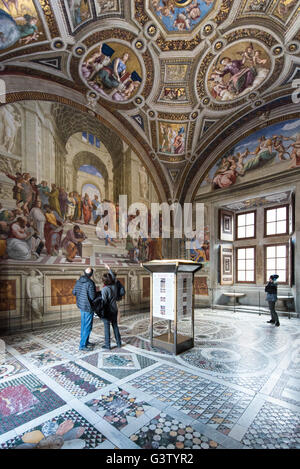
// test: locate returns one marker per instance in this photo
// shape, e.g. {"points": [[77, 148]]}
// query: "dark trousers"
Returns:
{"points": [[274, 315], [114, 323]]}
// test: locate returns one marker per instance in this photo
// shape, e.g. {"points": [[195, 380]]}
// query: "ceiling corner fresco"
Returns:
{"points": [[179, 76]]}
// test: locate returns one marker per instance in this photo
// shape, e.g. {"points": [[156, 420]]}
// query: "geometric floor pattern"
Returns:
{"points": [[238, 388]]}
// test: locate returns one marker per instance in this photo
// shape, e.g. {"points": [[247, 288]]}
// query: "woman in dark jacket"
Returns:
{"points": [[109, 295]]}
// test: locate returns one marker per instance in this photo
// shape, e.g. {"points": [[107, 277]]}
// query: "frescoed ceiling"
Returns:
{"points": [[172, 78]]}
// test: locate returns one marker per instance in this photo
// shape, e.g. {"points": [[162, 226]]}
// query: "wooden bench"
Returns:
{"points": [[285, 300], [234, 297]]}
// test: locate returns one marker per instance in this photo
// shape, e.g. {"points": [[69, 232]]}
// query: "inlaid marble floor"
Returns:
{"points": [[238, 388]]}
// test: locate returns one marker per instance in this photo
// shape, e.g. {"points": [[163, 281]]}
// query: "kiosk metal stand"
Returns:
{"points": [[172, 300]]}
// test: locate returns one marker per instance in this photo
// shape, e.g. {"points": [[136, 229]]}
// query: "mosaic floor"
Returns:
{"points": [[239, 388]]}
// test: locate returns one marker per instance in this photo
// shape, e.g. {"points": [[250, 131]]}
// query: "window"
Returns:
{"points": [[276, 262], [245, 264], [276, 221], [246, 225]]}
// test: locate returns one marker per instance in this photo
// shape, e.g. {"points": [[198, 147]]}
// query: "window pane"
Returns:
{"points": [[249, 231], [250, 218], [271, 215], [250, 253], [281, 251], [241, 253], [250, 276], [281, 263], [271, 265], [271, 251], [241, 276], [271, 228], [241, 265], [250, 264], [282, 275], [241, 220], [241, 232], [281, 213], [269, 273], [281, 227]]}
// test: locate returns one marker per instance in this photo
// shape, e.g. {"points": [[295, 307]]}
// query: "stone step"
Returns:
{"points": [[256, 310]]}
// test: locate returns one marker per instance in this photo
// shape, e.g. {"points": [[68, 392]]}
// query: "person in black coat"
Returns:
{"points": [[271, 290], [109, 295], [85, 292]]}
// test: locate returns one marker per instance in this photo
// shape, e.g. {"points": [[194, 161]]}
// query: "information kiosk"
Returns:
{"points": [[172, 300]]}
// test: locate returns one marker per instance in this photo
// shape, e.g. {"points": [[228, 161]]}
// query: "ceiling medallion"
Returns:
{"points": [[207, 29], [292, 47], [277, 50], [151, 30], [139, 45]]}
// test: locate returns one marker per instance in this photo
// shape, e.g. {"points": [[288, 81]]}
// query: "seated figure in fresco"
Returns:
{"points": [[263, 154], [26, 30], [226, 174], [241, 77], [53, 231], [72, 243], [19, 242], [110, 76], [295, 154]]}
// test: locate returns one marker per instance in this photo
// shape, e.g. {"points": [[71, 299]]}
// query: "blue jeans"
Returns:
{"points": [[86, 327], [114, 323]]}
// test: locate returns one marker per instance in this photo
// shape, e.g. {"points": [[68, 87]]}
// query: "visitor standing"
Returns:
{"points": [[109, 296], [85, 292], [271, 290]]}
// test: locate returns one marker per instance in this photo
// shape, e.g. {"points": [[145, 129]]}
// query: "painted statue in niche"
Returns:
{"points": [[240, 69], [19, 23], [106, 6], [9, 126], [172, 138], [113, 70], [35, 293], [181, 15], [277, 144], [79, 10]]}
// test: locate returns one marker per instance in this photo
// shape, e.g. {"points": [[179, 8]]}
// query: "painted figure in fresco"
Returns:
{"points": [[18, 178], [78, 206], [285, 7], [44, 193], [10, 125], [179, 142], [63, 201], [182, 22], [129, 89], [193, 10], [279, 147], [166, 9], [87, 209], [110, 76], [72, 243], [71, 204], [95, 63], [75, 10], [253, 56], [295, 155], [25, 31], [263, 154], [219, 87], [54, 199], [26, 192], [241, 77], [226, 174], [19, 242], [95, 205], [35, 293], [38, 218], [105, 5], [53, 231]]}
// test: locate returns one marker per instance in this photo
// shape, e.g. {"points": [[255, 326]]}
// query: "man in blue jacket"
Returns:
{"points": [[85, 292]]}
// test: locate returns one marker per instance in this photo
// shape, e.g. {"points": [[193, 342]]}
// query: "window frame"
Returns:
{"points": [[287, 266], [286, 233], [236, 265], [236, 225]]}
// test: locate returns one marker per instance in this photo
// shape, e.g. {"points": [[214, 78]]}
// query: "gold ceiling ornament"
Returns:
{"points": [[182, 3]]}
